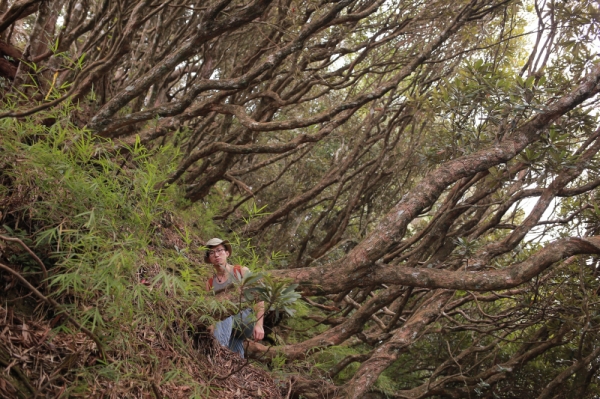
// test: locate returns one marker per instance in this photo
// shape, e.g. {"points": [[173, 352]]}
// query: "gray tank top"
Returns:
{"points": [[216, 286]]}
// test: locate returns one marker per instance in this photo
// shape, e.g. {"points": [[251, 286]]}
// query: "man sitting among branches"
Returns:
{"points": [[232, 331]]}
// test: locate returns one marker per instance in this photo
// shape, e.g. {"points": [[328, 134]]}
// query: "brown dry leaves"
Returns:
{"points": [[34, 360]]}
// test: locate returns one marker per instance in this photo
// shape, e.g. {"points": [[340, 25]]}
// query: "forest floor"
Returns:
{"points": [[38, 360]]}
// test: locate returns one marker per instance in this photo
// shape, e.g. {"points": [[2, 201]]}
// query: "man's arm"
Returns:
{"points": [[259, 331]]}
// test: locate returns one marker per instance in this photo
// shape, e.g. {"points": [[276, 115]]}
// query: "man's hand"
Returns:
{"points": [[259, 332]]}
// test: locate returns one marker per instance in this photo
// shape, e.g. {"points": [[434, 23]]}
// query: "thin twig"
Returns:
{"points": [[37, 259], [290, 389], [320, 306], [58, 307]]}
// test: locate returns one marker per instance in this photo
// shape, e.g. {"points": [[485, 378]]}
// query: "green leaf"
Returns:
{"points": [[289, 289], [529, 82]]}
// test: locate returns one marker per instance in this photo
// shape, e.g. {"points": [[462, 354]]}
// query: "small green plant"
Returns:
{"points": [[277, 294], [253, 211]]}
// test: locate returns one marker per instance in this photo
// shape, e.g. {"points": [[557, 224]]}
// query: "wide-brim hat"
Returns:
{"points": [[214, 242]]}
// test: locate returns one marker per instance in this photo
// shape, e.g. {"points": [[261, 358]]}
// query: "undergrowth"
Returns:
{"points": [[122, 257]]}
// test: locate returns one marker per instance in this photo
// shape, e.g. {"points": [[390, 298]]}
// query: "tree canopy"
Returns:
{"points": [[426, 171]]}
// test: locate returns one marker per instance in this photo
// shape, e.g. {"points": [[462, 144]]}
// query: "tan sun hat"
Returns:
{"points": [[213, 242]]}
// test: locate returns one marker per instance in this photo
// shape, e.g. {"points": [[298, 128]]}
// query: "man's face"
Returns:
{"points": [[218, 255]]}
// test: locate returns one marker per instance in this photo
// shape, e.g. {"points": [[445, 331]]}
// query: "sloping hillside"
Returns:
{"points": [[102, 285]]}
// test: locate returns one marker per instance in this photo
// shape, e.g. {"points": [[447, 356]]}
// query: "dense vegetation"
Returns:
{"points": [[425, 171]]}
